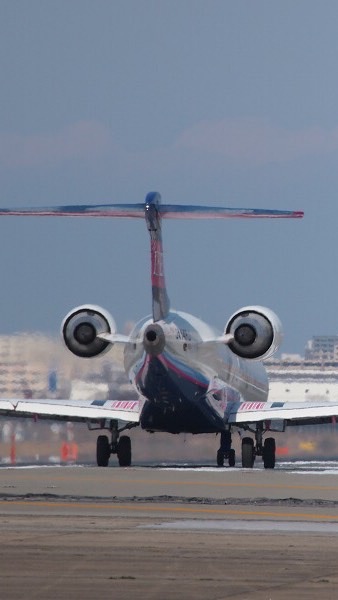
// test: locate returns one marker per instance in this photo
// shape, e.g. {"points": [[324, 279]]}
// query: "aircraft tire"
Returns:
{"points": [[269, 453], [124, 451], [220, 458], [232, 458], [102, 451], [248, 453]]}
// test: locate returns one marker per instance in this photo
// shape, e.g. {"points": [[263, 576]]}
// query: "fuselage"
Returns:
{"points": [[186, 378]]}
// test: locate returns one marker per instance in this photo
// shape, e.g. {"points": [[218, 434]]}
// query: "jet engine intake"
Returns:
{"points": [[257, 332], [81, 327]]}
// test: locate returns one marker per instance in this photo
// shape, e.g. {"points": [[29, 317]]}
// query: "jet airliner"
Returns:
{"points": [[188, 377]]}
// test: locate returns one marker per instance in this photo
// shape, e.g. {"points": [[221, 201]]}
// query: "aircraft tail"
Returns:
{"points": [[153, 212]]}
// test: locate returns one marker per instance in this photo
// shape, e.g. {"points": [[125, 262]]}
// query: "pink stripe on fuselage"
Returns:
{"points": [[171, 367]]}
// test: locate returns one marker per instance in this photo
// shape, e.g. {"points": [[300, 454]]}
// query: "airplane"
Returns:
{"points": [[188, 377]]}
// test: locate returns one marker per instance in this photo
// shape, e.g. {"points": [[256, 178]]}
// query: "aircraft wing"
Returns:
{"points": [[72, 410], [294, 413]]}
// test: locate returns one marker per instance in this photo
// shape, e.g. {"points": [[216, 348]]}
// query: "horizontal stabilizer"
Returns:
{"points": [[166, 211], [78, 210], [181, 211]]}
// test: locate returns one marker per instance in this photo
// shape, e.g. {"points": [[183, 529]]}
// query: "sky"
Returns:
{"points": [[207, 102]]}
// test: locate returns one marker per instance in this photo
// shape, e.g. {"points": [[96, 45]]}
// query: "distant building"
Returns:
{"points": [[322, 348], [37, 365], [291, 358]]}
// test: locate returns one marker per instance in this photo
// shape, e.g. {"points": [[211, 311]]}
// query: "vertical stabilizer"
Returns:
{"points": [[161, 302]]}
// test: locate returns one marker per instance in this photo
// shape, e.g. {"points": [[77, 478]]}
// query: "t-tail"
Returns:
{"points": [[160, 297], [153, 211]]}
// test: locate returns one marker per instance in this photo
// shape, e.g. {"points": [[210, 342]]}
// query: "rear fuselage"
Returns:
{"points": [[186, 378]]}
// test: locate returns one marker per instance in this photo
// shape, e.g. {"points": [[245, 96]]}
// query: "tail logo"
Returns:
{"points": [[158, 264]]}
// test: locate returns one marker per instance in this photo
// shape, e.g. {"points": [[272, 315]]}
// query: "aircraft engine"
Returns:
{"points": [[81, 326], [257, 332]]}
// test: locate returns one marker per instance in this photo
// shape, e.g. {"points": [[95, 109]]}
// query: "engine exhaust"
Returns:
{"points": [[154, 339]]}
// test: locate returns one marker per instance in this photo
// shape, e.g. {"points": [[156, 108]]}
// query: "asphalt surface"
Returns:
{"points": [[154, 532]]}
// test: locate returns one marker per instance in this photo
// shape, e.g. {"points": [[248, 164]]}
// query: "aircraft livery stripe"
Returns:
{"points": [[143, 368], [183, 370]]}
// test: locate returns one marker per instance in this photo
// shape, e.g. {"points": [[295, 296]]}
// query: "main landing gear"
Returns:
{"points": [[119, 445], [250, 449], [225, 452]]}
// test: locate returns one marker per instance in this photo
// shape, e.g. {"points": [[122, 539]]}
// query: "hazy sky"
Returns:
{"points": [[206, 101]]}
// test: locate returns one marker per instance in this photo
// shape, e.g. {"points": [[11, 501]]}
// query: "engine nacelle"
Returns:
{"points": [[257, 332], [81, 326]]}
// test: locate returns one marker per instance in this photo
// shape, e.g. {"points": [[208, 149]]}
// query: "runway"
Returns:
{"points": [[170, 532]]}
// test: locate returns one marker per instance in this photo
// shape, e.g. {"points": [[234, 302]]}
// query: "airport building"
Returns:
{"points": [[312, 377], [38, 365], [322, 348]]}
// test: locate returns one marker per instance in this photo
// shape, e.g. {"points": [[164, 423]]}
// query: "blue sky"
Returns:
{"points": [[220, 102]]}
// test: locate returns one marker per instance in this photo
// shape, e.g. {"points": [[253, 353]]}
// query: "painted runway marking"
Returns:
{"points": [[209, 484], [172, 509], [247, 526], [225, 485]]}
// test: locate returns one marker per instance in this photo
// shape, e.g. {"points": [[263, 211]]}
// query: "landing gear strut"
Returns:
{"points": [[121, 446], [225, 451]]}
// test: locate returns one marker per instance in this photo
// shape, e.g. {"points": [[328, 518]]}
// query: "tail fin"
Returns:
{"points": [[161, 304]]}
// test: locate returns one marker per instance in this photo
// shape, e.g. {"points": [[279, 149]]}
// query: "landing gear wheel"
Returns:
{"points": [[269, 453], [220, 458], [124, 451], [232, 458], [102, 451], [248, 453]]}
